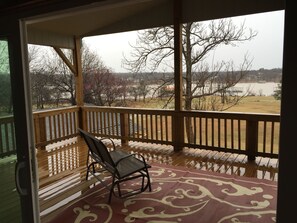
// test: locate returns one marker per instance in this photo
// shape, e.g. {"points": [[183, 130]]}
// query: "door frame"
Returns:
{"points": [[14, 31]]}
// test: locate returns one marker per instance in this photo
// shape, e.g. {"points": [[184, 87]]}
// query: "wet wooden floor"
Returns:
{"points": [[62, 169]]}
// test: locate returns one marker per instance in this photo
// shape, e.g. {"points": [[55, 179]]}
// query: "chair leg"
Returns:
{"points": [[87, 175], [149, 183], [88, 170], [148, 180], [87, 164], [119, 190], [111, 189]]}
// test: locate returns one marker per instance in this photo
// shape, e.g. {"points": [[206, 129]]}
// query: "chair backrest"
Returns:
{"points": [[88, 139], [98, 149], [104, 153]]}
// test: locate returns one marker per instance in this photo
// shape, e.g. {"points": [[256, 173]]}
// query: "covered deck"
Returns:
{"points": [[242, 144], [62, 168], [233, 143]]}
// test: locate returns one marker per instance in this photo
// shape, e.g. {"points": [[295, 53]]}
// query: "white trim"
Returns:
{"points": [[30, 128]]}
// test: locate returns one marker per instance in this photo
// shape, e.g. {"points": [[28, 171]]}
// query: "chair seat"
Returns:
{"points": [[128, 165]]}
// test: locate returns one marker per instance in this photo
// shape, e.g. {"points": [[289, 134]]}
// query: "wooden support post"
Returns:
{"points": [[251, 139], [40, 132], [76, 68], [78, 80], [124, 125], [287, 183], [177, 122]]}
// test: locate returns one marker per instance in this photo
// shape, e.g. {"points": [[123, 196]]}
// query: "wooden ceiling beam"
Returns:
{"points": [[66, 60]]}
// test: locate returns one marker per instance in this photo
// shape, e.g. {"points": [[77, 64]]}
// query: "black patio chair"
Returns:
{"points": [[121, 165]]}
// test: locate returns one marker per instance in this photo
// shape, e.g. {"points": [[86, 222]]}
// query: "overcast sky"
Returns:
{"points": [[266, 48]]}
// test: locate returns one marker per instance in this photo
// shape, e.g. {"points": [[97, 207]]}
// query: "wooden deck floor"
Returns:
{"points": [[62, 169]]}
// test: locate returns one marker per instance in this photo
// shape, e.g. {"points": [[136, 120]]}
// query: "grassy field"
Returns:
{"points": [[258, 104], [253, 104]]}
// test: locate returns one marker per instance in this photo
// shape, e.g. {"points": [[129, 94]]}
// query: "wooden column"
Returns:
{"points": [[76, 69], [287, 183], [78, 72], [251, 139], [40, 131], [177, 122], [124, 122], [78, 79]]}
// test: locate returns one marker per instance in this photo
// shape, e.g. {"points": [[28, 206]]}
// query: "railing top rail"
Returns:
{"points": [[6, 118], [234, 115], [129, 110], [55, 111], [206, 114]]}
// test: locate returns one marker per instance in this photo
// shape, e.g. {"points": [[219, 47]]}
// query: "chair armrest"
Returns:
{"points": [[143, 159]]}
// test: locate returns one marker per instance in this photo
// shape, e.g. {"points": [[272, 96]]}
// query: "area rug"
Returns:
{"points": [[179, 195]]}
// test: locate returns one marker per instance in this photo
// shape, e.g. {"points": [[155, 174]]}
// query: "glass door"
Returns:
{"points": [[18, 184], [10, 210]]}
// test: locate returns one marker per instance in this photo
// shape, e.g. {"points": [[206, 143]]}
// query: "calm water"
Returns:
{"points": [[258, 89]]}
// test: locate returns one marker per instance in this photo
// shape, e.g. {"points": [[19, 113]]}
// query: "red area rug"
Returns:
{"points": [[181, 195]]}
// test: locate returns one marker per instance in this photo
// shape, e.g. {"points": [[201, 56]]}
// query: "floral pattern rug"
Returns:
{"points": [[180, 194]]}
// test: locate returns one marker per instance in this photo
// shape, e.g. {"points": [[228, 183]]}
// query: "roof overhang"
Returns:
{"points": [[113, 16]]}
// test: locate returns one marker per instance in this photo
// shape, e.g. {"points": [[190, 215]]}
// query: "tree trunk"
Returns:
{"points": [[188, 93]]}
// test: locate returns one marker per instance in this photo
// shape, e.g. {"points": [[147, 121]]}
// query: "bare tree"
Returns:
{"points": [[202, 84], [41, 89], [63, 82], [52, 80], [134, 92], [102, 87], [278, 91], [201, 81]]}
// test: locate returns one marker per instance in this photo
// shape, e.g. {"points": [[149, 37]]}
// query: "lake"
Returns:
{"points": [[258, 89]]}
